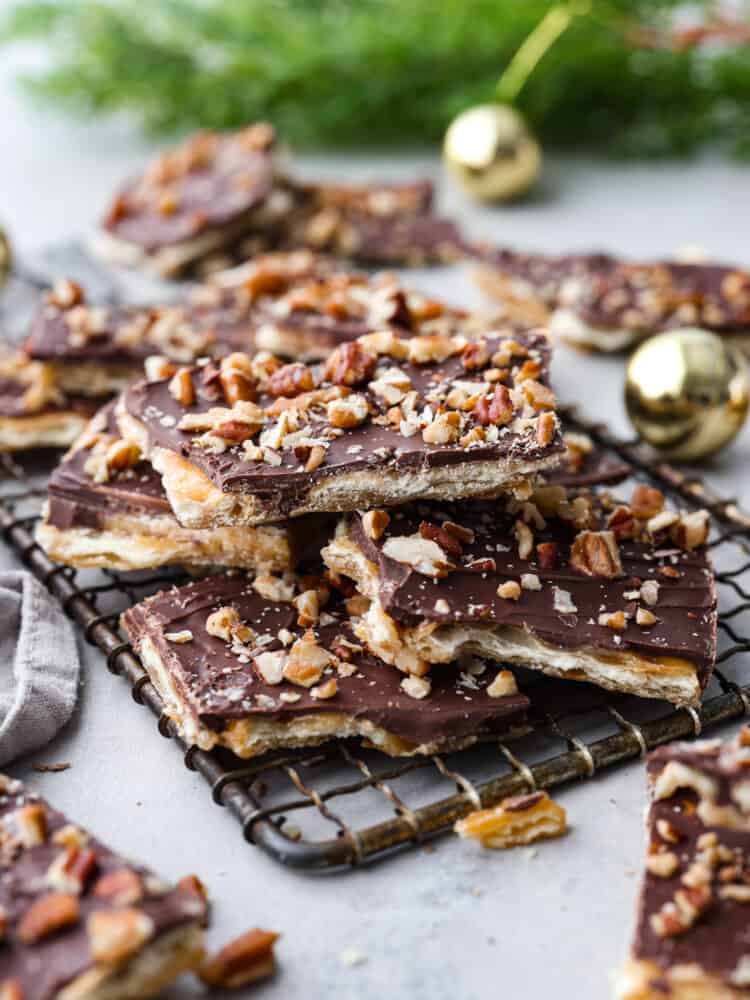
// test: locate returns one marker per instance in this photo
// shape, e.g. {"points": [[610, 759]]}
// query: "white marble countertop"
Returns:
{"points": [[455, 922]]}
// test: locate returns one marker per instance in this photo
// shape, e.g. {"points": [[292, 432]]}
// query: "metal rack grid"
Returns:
{"points": [[340, 805]]}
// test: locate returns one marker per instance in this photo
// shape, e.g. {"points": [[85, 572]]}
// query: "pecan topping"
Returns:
{"points": [[374, 523], [646, 502], [48, 915], [65, 294], [422, 554], [496, 409], [448, 542], [306, 661], [595, 553], [547, 555], [116, 935], [237, 379], [475, 355], [503, 685], [350, 411], [292, 380], [122, 887], [181, 387], [350, 364]]}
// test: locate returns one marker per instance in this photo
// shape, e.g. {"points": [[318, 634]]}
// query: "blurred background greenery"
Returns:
{"points": [[631, 77]]}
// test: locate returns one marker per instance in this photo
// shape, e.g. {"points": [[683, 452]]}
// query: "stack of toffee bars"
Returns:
{"points": [[396, 522]]}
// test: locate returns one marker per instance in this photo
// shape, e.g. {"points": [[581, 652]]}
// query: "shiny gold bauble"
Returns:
{"points": [[5, 257], [491, 152], [686, 393]]}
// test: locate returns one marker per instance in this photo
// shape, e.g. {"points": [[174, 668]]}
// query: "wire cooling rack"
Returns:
{"points": [[340, 804]]}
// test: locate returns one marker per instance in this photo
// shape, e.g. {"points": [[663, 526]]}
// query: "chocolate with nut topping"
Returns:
{"points": [[208, 183], [379, 404], [298, 304], [44, 854], [219, 679], [694, 908], [608, 293], [560, 584]]}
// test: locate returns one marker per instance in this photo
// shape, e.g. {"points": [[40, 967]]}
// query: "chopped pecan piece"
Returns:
{"points": [[47, 915], [243, 961], [351, 411], [306, 661], [121, 886], [221, 622], [475, 355], [546, 426], [116, 935], [237, 378], [547, 555], [448, 542], [292, 380], [538, 395], [374, 523], [646, 502], [433, 348], [595, 553], [350, 364], [65, 294], [422, 554], [181, 387], [444, 429], [496, 409], [503, 685]]}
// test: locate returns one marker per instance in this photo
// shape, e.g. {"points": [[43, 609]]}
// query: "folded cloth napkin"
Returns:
{"points": [[39, 666]]}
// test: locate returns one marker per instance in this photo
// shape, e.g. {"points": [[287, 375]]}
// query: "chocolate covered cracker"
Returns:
{"points": [[691, 940], [605, 303], [382, 421], [194, 199], [255, 666], [78, 920], [620, 595], [106, 508]]}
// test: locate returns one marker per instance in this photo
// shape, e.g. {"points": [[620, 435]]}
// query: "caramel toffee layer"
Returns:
{"points": [[206, 184], [607, 293], [373, 394], [68, 902], [566, 610], [695, 899], [219, 680]]}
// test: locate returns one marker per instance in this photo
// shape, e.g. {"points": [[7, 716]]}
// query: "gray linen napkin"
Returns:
{"points": [[39, 666]]}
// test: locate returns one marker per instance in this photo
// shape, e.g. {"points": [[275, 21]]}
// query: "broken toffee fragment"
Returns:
{"points": [[620, 595], [255, 666], [106, 508]]}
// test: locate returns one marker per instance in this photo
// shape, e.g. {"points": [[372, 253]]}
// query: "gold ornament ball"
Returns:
{"points": [[491, 152], [5, 257], [686, 393]]}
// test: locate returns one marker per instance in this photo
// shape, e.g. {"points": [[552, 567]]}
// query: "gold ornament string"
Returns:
{"points": [[533, 48]]}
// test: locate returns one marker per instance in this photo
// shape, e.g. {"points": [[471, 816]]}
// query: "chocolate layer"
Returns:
{"points": [[44, 967], [219, 685], [376, 444], [685, 610], [702, 824]]}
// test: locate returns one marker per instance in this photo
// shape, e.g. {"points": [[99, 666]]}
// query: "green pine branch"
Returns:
{"points": [[385, 72]]}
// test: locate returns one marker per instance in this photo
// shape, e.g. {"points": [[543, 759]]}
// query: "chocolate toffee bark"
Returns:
{"points": [[376, 224], [601, 302], [252, 667], [302, 305], [79, 921], [34, 411], [619, 595], [383, 421], [193, 199], [106, 508], [691, 936]]}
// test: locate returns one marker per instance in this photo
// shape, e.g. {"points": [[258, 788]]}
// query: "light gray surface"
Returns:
{"points": [[455, 923]]}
